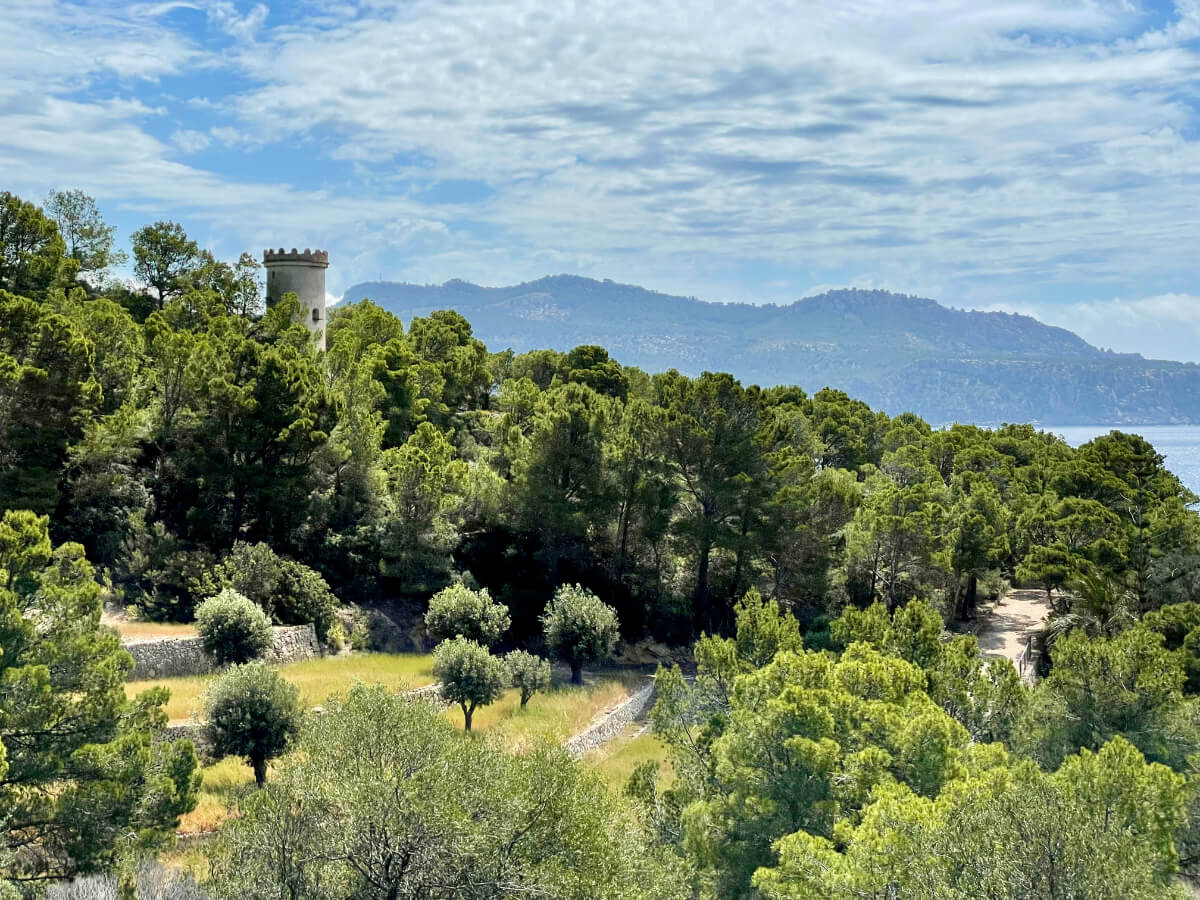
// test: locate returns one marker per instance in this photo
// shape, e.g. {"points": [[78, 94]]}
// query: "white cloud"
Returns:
{"points": [[190, 141], [943, 147]]}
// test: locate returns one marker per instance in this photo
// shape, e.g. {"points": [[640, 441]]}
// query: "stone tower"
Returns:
{"points": [[302, 273]]}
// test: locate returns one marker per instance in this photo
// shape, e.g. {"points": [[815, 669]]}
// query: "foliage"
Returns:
{"points": [[233, 627], [376, 765], [579, 628], [151, 881], [1100, 827], [32, 253], [252, 712], [83, 780], [459, 611], [527, 673], [88, 240], [469, 675], [288, 591], [163, 256]]}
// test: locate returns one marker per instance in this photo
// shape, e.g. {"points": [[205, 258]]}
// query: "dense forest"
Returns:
{"points": [[162, 439], [895, 352]]}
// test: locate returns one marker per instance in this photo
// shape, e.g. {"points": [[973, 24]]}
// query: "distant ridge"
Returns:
{"points": [[894, 351]]}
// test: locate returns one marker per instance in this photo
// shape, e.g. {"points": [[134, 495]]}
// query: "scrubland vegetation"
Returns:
{"points": [[179, 442]]}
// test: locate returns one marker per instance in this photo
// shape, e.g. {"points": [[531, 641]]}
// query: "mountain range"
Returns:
{"points": [[896, 352]]}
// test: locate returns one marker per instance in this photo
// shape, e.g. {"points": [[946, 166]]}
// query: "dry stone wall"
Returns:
{"points": [[172, 657], [613, 722]]}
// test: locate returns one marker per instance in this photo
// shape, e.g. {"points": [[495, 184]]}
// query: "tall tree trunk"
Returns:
{"points": [[576, 673], [259, 763], [467, 713]]}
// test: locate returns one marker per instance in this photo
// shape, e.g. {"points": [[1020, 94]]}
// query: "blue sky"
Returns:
{"points": [[1031, 155]]}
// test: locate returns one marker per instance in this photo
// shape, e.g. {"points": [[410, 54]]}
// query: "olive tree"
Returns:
{"points": [[252, 712], [458, 611], [470, 676], [580, 629], [233, 627], [527, 673]]}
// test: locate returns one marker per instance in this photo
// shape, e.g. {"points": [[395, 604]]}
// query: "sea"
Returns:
{"points": [[1180, 444]]}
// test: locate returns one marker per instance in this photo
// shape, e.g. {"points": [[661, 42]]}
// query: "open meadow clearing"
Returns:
{"points": [[316, 679]]}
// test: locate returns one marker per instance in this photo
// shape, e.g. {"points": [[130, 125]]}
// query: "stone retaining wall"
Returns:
{"points": [[172, 657], [613, 722]]}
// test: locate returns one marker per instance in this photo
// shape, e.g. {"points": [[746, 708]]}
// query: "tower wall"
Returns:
{"points": [[302, 273]]}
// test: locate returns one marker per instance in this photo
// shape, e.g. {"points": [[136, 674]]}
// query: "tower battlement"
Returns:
{"points": [[305, 256], [301, 273]]}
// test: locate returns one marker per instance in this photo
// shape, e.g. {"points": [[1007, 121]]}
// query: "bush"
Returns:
{"points": [[252, 712], [527, 673], [234, 629], [336, 639], [288, 591], [459, 611], [579, 628], [470, 676], [154, 881], [360, 634]]}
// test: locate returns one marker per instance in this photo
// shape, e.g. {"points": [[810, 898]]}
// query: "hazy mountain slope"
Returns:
{"points": [[893, 351]]}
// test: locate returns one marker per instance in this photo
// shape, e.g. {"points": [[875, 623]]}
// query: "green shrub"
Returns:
{"points": [[288, 591], [527, 673], [470, 676], [336, 639], [360, 634], [579, 628], [251, 712], [234, 629], [458, 611]]}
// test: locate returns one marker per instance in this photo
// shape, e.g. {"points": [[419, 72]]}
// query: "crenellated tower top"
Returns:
{"points": [[305, 257]]}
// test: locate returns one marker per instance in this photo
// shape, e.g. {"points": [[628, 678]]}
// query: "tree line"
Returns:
{"points": [[162, 426]]}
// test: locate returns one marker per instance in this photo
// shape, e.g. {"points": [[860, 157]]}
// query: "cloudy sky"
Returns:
{"points": [[1041, 156]]}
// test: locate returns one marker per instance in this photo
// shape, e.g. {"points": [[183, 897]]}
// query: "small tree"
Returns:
{"points": [[458, 611], [469, 674], [233, 627], [527, 673], [579, 628], [252, 712]]}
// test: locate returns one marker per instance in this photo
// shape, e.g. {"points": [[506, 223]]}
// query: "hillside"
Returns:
{"points": [[894, 351]]}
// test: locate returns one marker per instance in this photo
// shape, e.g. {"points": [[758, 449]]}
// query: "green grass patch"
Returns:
{"points": [[317, 679], [617, 759], [552, 717]]}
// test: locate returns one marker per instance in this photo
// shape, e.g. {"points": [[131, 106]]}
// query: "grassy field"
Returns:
{"points": [[316, 678], [617, 759], [554, 716]]}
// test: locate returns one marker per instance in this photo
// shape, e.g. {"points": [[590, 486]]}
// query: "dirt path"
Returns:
{"points": [[1010, 623]]}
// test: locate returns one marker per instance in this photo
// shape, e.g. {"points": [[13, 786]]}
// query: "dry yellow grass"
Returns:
{"points": [[616, 760], [551, 717], [135, 630], [316, 678], [225, 783]]}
